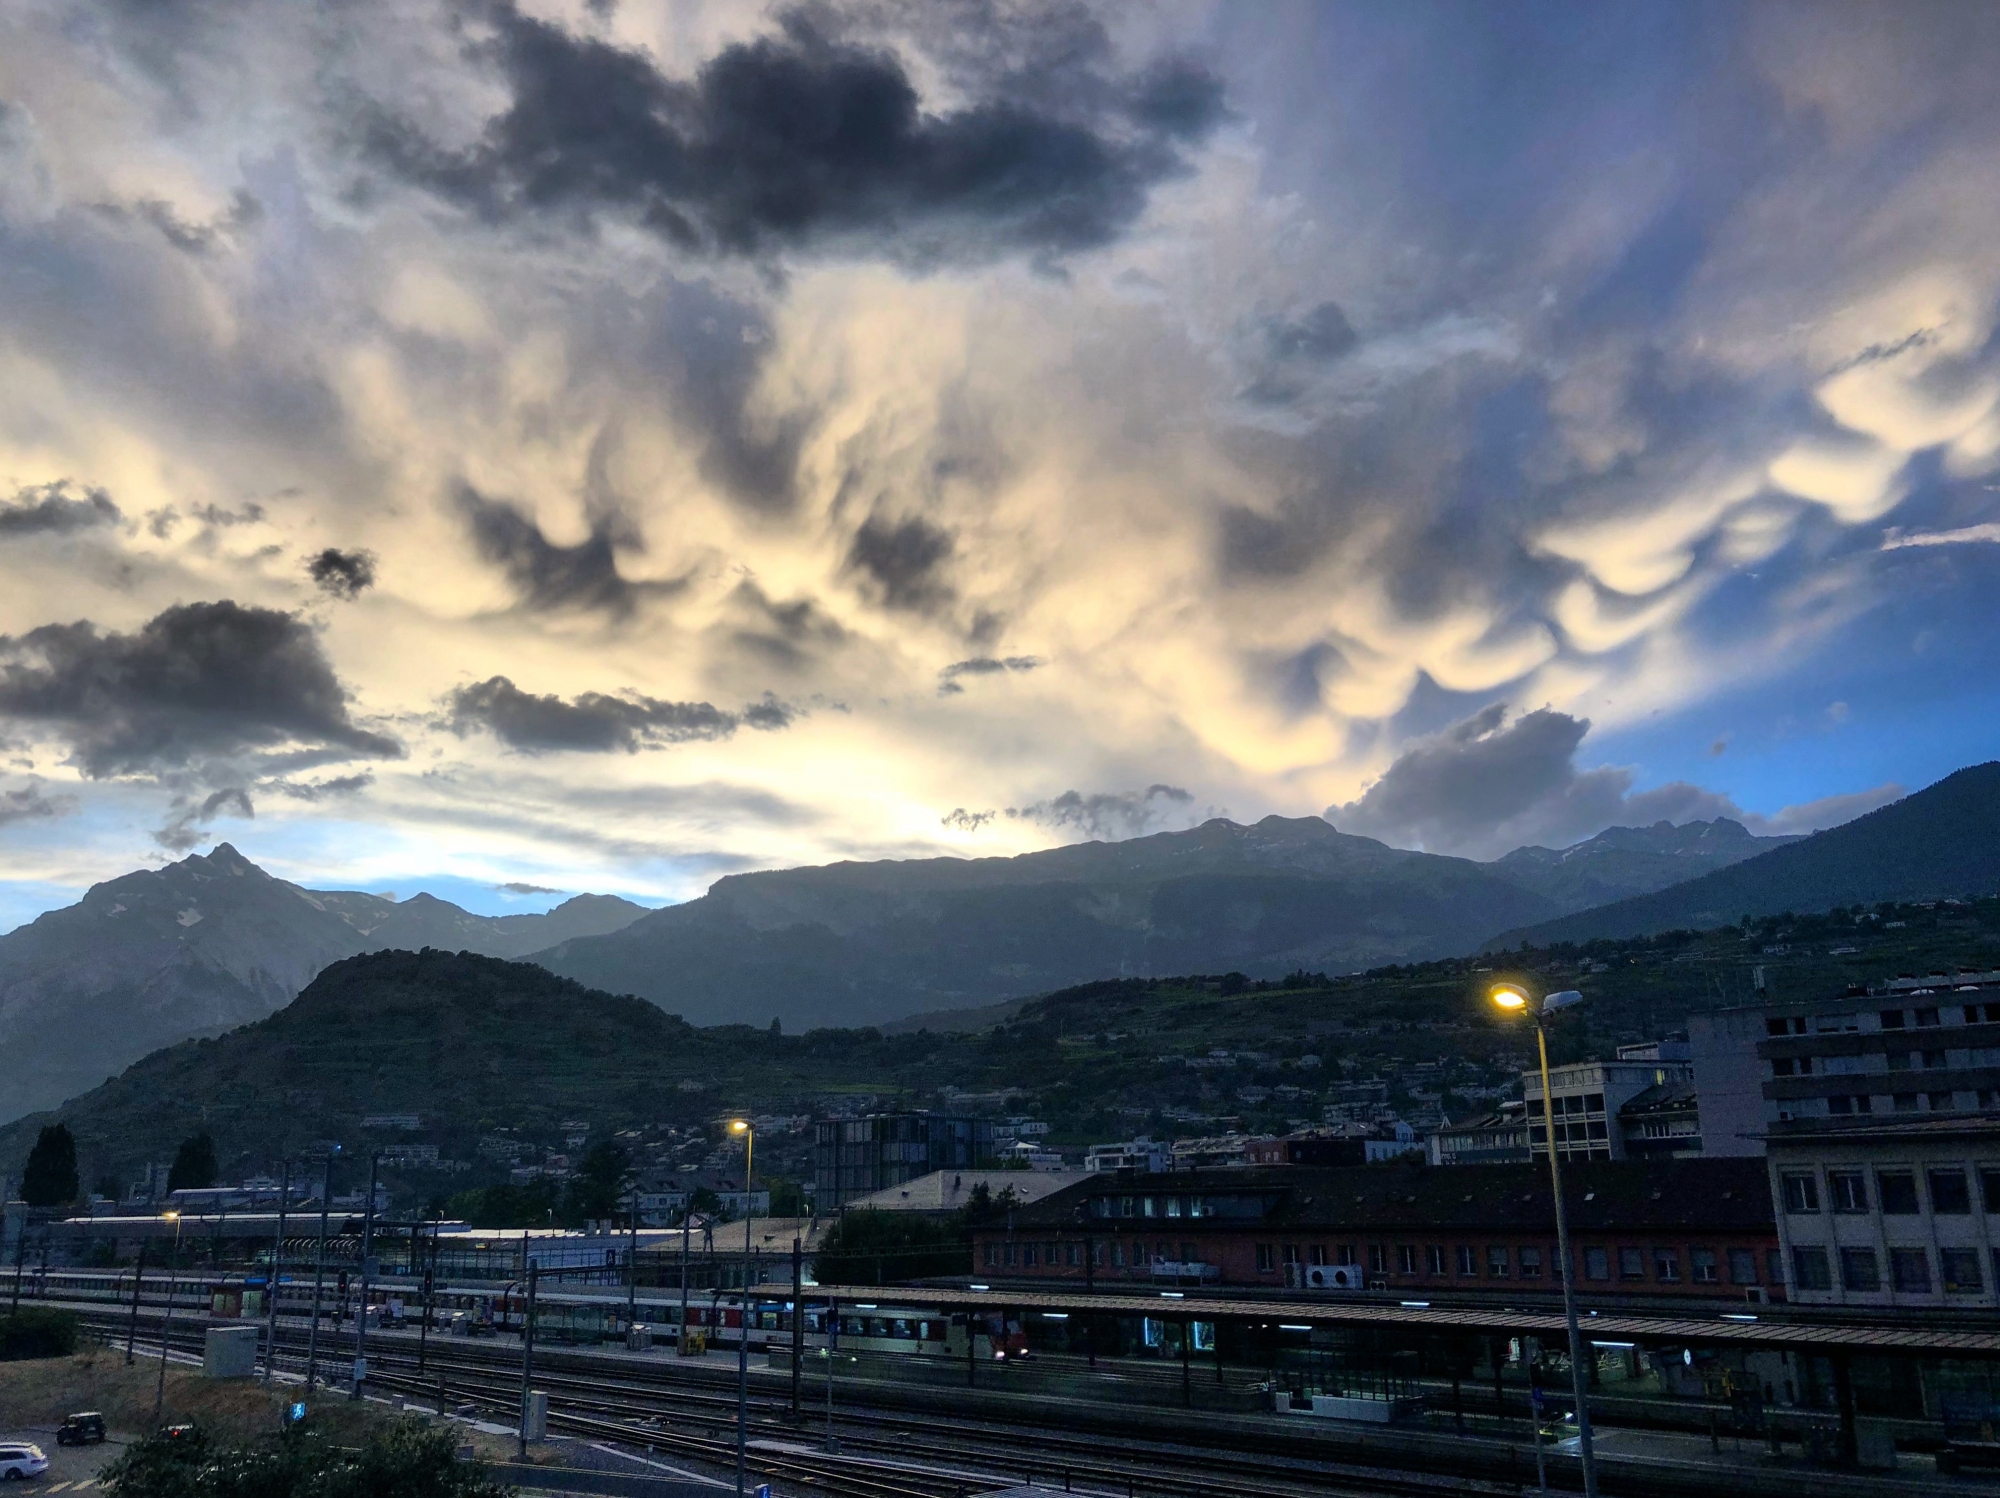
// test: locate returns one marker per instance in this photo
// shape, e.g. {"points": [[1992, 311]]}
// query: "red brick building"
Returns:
{"points": [[1695, 1228]]}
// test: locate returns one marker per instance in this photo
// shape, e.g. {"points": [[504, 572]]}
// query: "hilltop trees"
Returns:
{"points": [[194, 1164], [50, 1178]]}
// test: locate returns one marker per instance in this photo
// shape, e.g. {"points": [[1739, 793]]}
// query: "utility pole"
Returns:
{"points": [[319, 1273], [528, 1356], [749, 1134], [632, 1265], [798, 1322], [271, 1280], [424, 1326], [138, 1276], [687, 1227], [367, 1264], [832, 1345]]}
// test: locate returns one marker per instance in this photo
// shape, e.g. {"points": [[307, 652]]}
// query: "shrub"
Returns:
{"points": [[411, 1461], [37, 1332]]}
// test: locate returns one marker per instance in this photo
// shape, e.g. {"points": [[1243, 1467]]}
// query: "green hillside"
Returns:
{"points": [[479, 1047]]}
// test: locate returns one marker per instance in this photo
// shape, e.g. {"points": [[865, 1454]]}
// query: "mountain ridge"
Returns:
{"points": [[1937, 843]]}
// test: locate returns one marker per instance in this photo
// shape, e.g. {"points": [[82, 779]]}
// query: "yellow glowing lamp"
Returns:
{"points": [[1507, 996]]}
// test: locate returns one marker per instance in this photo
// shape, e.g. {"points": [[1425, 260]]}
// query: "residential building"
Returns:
{"points": [[1912, 1046], [1681, 1229], [855, 1156], [1587, 1096], [1026, 1154], [1894, 1211], [1662, 1121], [1729, 1079], [1496, 1138], [1142, 1153], [664, 1199]]}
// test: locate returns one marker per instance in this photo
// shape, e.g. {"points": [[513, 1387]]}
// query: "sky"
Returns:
{"points": [[513, 447]]}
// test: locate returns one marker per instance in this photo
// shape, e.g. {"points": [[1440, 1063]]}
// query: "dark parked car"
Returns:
{"points": [[83, 1429]]}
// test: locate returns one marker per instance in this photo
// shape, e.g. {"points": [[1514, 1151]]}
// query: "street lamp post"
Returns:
{"points": [[742, 1126], [367, 1249], [1507, 996], [167, 1325], [271, 1279]]}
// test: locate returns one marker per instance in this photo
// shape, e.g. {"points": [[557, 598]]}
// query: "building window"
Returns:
{"points": [[1596, 1264], [1012, 1255], [1467, 1263], [1702, 1268], [1052, 1254], [1742, 1266], [1406, 1258], [1030, 1255], [1316, 1254], [1497, 1266], [1118, 1255], [1892, 1019], [1961, 1271], [1801, 1192], [1989, 1187], [1897, 1191], [1073, 1255], [1344, 1254], [1809, 1269], [992, 1256], [1291, 1252], [1859, 1272], [1910, 1270], [1904, 1102], [1631, 1264], [1267, 1259], [1378, 1259], [1926, 1017], [1949, 1196], [1667, 1266], [1531, 1263], [1434, 1255], [1848, 1190]]}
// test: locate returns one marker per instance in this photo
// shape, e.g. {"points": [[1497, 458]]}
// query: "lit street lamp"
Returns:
{"points": [[742, 1126], [1508, 996], [166, 1326]]}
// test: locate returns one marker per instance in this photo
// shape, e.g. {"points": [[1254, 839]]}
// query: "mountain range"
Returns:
{"points": [[213, 942], [1941, 843], [204, 945]]}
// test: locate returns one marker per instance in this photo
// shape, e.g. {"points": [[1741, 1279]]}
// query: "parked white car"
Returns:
{"points": [[19, 1460]]}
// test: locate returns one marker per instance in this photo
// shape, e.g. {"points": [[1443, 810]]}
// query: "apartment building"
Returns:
{"points": [[856, 1156]]}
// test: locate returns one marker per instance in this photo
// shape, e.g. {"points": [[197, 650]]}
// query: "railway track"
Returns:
{"points": [[967, 1457]]}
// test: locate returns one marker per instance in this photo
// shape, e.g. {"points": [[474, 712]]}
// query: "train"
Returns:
{"points": [[561, 1316]]}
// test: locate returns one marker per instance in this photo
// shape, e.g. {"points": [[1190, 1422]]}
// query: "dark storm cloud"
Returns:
{"points": [[902, 559], [595, 722], [197, 680], [182, 830], [48, 509], [342, 574], [1108, 814], [799, 140], [958, 819], [31, 803], [547, 576], [516, 887]]}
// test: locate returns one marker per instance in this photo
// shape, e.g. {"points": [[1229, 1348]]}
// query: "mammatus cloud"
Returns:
{"points": [[197, 681], [902, 562], [551, 577], [800, 140], [342, 574], [1485, 786], [983, 665], [594, 722], [48, 509]]}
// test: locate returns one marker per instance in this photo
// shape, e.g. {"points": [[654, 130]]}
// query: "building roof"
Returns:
{"points": [[1864, 1126], [1663, 1097], [948, 1190], [1603, 1197]]}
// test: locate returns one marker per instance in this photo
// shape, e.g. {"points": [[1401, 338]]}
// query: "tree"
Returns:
{"points": [[788, 1199], [194, 1165], [506, 1206], [872, 1247], [704, 1201], [50, 1178], [602, 1184]]}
